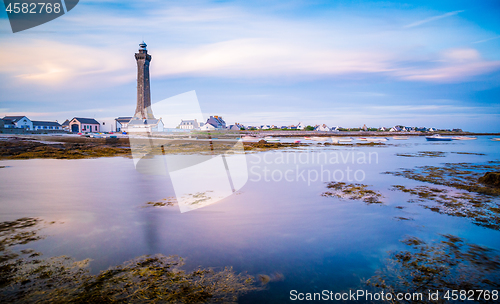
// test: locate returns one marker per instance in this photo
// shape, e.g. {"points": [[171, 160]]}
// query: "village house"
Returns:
{"points": [[20, 122], [215, 122], [144, 126], [46, 125], [300, 126], [121, 123], [189, 125], [78, 124], [234, 128], [208, 127], [323, 128], [65, 125]]}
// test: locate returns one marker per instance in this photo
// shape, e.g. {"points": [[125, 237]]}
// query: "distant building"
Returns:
{"points": [[121, 123], [207, 127], [323, 128], [145, 125], [301, 126], [395, 129], [364, 128], [21, 122], [189, 125], [217, 122], [2, 124], [65, 125], [46, 125], [381, 129], [234, 128], [78, 124]]}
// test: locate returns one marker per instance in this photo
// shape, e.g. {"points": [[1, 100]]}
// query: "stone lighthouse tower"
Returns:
{"points": [[143, 109]]}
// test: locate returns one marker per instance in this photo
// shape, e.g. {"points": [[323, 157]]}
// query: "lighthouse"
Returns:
{"points": [[144, 120], [143, 109]]}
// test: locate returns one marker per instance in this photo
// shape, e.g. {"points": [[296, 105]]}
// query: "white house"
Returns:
{"points": [[21, 122], [208, 127], [65, 125], [381, 129], [145, 126], [189, 124], [301, 126], [121, 123], [46, 125], [323, 128], [395, 129]]}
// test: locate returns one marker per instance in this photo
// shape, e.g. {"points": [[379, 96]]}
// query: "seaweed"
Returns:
{"points": [[450, 264], [169, 201], [480, 209], [353, 192], [465, 176], [423, 154], [26, 277]]}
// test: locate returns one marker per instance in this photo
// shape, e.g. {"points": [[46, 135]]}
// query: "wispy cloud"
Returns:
{"points": [[486, 40], [420, 22]]}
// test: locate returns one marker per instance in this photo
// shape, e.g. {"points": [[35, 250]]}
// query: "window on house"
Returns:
{"points": [[96, 128]]}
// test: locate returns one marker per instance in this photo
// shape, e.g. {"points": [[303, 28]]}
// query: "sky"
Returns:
{"points": [[342, 63]]}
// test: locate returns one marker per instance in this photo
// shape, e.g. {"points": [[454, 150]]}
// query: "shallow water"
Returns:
{"points": [[271, 225]]}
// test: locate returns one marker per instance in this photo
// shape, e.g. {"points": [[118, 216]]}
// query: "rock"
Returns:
{"points": [[491, 179]]}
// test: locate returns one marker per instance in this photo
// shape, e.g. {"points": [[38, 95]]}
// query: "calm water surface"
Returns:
{"points": [[273, 226]]}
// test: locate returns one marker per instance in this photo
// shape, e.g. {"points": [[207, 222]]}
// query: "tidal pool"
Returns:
{"points": [[277, 227]]}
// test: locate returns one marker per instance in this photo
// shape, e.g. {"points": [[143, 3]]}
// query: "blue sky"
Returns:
{"points": [[345, 63]]}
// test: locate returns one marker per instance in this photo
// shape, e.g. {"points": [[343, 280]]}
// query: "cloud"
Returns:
{"points": [[453, 65], [230, 42], [420, 22], [486, 40]]}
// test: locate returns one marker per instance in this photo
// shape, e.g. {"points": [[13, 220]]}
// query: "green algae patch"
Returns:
{"points": [[352, 192], [27, 277], [464, 176], [423, 154], [401, 218], [445, 265], [263, 145], [28, 149], [469, 153], [491, 179], [480, 209]]}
